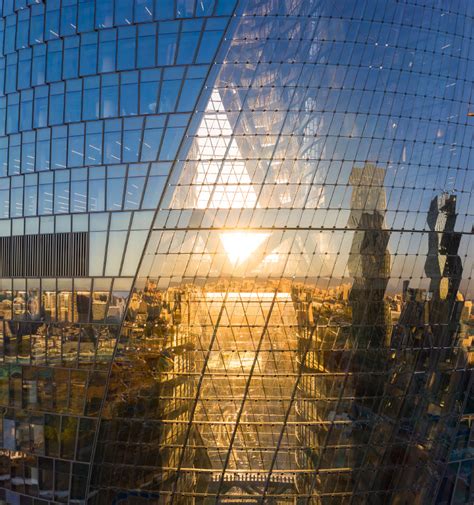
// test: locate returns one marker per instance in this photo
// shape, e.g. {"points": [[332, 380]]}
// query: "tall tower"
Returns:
{"points": [[177, 238], [369, 260], [443, 265], [369, 265], [343, 354], [428, 377]]}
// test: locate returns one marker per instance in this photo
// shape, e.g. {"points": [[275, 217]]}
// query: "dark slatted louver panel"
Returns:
{"points": [[49, 255]]}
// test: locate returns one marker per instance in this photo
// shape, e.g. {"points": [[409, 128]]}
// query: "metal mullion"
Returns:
{"points": [[230, 28], [139, 113], [29, 259], [26, 256], [3, 257], [128, 231], [33, 255], [85, 266], [48, 256], [287, 415], [14, 257], [279, 423], [119, 75], [180, 22], [397, 419], [309, 341], [67, 247], [234, 398], [56, 247], [107, 240], [137, 26], [21, 263], [211, 379], [75, 263], [316, 470], [45, 255], [181, 86], [82, 267], [59, 246], [101, 120], [76, 441], [8, 249], [226, 375], [266, 448], [121, 162], [261, 375], [102, 159], [242, 405], [198, 391], [158, 91], [72, 254], [147, 176], [75, 260]]}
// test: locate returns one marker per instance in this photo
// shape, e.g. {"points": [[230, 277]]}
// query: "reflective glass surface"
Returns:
{"points": [[236, 252]]}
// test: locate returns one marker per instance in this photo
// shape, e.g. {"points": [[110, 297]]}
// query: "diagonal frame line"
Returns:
{"points": [[244, 398], [196, 399], [287, 414]]}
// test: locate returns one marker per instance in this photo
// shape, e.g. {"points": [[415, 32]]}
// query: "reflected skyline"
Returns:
{"points": [[236, 252]]}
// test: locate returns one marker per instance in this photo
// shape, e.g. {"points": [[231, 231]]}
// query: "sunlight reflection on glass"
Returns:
{"points": [[239, 245]]}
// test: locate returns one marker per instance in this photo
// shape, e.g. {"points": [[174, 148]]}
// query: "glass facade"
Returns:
{"points": [[236, 252]]}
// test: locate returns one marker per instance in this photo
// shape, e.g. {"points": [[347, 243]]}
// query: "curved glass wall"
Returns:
{"points": [[236, 252]]}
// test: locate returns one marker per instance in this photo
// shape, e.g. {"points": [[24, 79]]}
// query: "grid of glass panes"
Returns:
{"points": [[95, 98], [318, 265], [299, 211]]}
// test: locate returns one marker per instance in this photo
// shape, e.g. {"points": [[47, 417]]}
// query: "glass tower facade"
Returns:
{"points": [[236, 252]]}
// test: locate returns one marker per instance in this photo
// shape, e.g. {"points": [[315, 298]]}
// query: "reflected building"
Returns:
{"points": [[150, 393], [344, 354], [369, 265], [429, 386], [207, 293], [247, 364]]}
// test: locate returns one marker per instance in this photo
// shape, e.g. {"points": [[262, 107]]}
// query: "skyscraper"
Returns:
{"points": [[208, 294], [428, 387]]}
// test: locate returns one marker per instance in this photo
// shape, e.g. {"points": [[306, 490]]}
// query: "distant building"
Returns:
{"points": [[208, 295], [427, 339]]}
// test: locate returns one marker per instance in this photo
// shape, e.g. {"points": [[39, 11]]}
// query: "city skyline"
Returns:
{"points": [[236, 252]]}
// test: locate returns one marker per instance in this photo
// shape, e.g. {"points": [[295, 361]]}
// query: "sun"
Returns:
{"points": [[239, 245]]}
